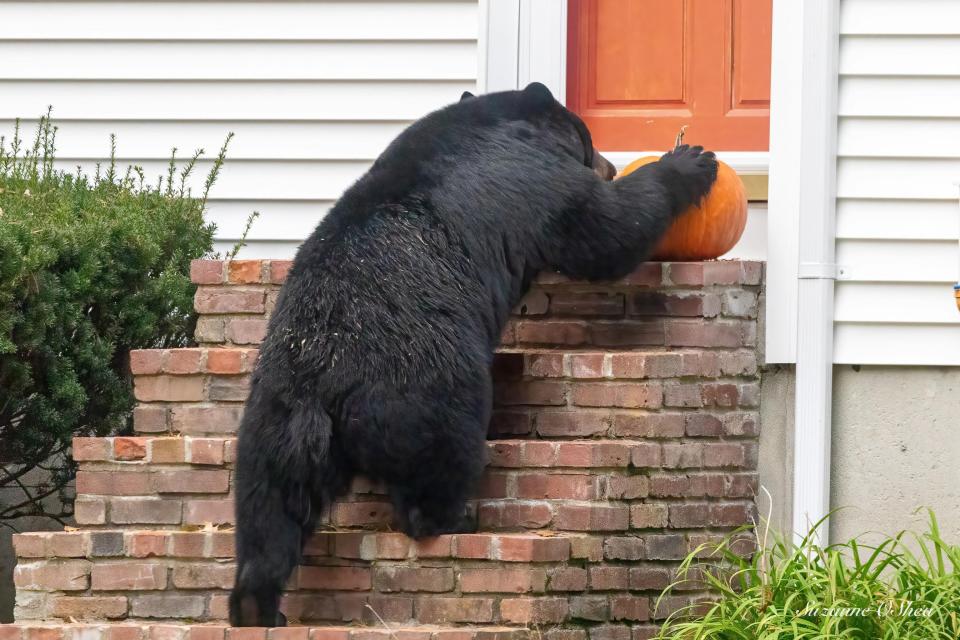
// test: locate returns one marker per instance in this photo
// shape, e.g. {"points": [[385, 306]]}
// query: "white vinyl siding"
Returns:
{"points": [[898, 167], [313, 90]]}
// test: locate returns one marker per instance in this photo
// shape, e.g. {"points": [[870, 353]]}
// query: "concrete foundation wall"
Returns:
{"points": [[896, 448]]}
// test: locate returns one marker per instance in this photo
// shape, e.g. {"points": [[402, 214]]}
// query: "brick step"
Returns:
{"points": [[201, 391], [658, 304], [570, 485], [173, 631], [511, 580]]}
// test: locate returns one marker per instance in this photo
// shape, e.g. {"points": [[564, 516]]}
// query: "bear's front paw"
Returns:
{"points": [[697, 169]]}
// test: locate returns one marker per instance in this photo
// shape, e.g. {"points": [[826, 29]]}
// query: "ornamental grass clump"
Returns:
{"points": [[906, 587], [90, 268]]}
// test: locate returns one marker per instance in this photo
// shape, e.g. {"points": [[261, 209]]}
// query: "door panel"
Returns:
{"points": [[638, 70]]}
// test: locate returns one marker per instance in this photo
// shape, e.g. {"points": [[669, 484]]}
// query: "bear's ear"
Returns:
{"points": [[536, 96], [466, 96]]}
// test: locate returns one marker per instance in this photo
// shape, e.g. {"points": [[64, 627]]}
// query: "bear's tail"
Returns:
{"points": [[283, 471]]}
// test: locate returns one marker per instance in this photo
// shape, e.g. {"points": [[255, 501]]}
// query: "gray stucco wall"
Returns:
{"points": [[895, 448]]}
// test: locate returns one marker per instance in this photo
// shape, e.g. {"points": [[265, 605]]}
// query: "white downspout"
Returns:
{"points": [[817, 268]]}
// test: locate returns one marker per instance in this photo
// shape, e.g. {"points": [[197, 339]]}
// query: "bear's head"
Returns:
{"points": [[536, 106]]}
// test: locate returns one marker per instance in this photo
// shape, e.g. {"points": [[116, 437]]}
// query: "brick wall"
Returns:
{"points": [[624, 435]]}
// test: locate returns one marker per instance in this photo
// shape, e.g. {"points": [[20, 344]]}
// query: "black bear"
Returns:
{"points": [[377, 357]]}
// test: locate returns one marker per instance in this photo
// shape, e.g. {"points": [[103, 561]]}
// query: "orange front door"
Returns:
{"points": [[638, 70]]}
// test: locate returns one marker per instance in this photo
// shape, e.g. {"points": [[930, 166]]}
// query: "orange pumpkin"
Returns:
{"points": [[709, 230]]}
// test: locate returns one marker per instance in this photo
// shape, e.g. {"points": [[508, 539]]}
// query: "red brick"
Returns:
{"points": [[279, 269], [544, 365], [623, 548], [533, 610], [627, 334], [147, 361], [499, 580], [509, 423], [685, 274], [587, 304], [571, 423], [645, 454], [66, 545], [703, 424], [537, 392], [203, 420], [627, 487], [413, 579], [689, 515], [722, 272], [244, 271], [683, 395], [168, 388], [289, 633], [512, 548], [587, 548], [167, 450], [113, 483], [587, 365], [90, 607], [220, 300], [191, 481], [723, 454], [477, 546], [556, 333], [144, 544], [593, 454], [203, 576], [648, 274], [741, 424], [183, 361], [649, 577], [493, 485], [208, 512], [665, 547], [145, 511], [731, 514], [593, 517], [187, 544], [150, 419], [246, 633], [30, 545], [568, 579], [446, 610], [129, 448], [557, 487], [229, 361], [91, 449], [609, 578], [205, 451], [632, 396], [247, 330], [43, 633], [207, 632], [648, 425], [527, 515], [648, 516], [635, 608], [221, 544], [358, 514], [206, 271], [720, 395], [128, 577], [685, 455], [697, 333]]}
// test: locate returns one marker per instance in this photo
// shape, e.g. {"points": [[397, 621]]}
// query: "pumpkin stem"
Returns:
{"points": [[679, 140]]}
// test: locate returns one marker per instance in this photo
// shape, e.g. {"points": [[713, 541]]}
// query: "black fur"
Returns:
{"points": [[377, 359]]}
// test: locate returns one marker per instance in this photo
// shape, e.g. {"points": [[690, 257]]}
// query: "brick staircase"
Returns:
{"points": [[624, 435]]}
